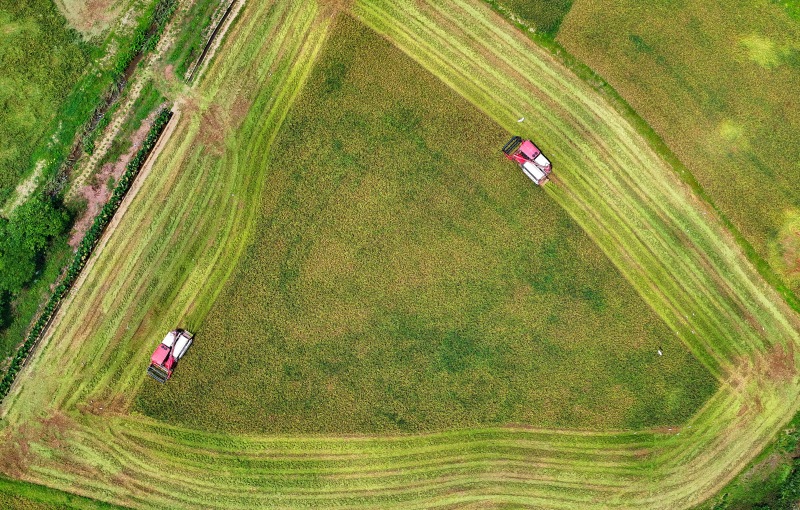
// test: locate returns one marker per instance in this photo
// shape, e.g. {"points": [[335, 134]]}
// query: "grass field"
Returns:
{"points": [[42, 60], [405, 277], [722, 92], [16, 495], [68, 423]]}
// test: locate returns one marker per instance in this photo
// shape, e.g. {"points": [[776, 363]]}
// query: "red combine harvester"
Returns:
{"points": [[166, 355], [529, 158]]}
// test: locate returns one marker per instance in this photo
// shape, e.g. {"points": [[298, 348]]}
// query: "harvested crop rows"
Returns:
{"points": [[669, 246]]}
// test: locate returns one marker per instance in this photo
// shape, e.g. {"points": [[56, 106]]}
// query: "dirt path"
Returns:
{"points": [[97, 190], [23, 191]]}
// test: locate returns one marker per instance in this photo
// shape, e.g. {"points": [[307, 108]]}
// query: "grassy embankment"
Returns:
{"points": [[16, 495], [61, 99], [722, 92], [668, 244], [405, 277], [542, 18]]}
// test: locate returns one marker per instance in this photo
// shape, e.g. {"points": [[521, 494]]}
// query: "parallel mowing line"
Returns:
{"points": [[752, 288]]}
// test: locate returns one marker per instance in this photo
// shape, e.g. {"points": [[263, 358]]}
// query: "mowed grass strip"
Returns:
{"points": [[405, 277], [721, 92]]}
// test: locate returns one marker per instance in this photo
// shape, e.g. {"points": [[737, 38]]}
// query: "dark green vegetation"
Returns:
{"points": [[18, 495], [544, 16], [69, 108], [405, 277], [192, 38], [42, 61], [721, 91], [46, 221], [770, 482], [24, 239]]}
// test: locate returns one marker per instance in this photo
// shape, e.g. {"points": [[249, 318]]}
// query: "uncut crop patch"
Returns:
{"points": [[722, 93], [405, 277], [665, 242]]}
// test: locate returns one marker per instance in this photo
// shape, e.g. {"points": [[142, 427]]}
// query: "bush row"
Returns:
{"points": [[85, 249]]}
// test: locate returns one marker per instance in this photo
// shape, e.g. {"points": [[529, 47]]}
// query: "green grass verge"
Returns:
{"points": [[194, 34], [148, 101], [406, 277], [18, 495], [770, 482], [544, 17]]}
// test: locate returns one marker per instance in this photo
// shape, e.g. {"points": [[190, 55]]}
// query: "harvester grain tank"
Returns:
{"points": [[166, 355], [530, 159]]}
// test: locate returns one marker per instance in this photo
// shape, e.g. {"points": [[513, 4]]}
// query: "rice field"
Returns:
{"points": [[34, 96], [405, 277], [721, 92], [71, 422]]}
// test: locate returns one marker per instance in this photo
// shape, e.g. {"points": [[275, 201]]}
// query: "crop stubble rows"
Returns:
{"points": [[671, 249]]}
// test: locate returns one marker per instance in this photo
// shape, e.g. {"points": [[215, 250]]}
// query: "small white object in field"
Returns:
{"points": [[521, 119], [660, 352]]}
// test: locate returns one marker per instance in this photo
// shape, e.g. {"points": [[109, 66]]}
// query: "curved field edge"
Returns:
{"points": [[714, 303], [467, 308], [674, 251]]}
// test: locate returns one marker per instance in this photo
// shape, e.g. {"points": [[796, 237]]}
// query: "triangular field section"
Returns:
{"points": [[404, 277]]}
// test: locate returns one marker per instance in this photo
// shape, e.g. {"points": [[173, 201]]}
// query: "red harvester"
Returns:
{"points": [[529, 158], [166, 355]]}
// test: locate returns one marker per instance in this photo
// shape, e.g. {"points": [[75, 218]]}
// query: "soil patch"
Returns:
{"points": [[98, 191]]}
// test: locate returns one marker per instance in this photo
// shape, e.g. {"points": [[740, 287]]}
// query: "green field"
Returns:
{"points": [[543, 16], [406, 277], [16, 495], [42, 60], [721, 92], [71, 423]]}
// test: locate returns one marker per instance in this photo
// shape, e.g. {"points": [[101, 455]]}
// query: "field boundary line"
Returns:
{"points": [[216, 39]]}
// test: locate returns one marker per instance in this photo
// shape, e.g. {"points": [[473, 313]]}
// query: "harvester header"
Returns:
{"points": [[530, 159]]}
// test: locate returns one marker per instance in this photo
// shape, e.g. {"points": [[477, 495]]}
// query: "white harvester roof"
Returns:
{"points": [[533, 172], [182, 344], [169, 340]]}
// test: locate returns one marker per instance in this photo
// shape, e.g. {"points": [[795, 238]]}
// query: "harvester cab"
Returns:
{"points": [[166, 355], [530, 159]]}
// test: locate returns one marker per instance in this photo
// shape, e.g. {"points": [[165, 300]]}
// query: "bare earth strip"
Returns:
{"points": [[194, 213]]}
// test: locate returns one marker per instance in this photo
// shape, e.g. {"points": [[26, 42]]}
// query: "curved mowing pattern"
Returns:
{"points": [[66, 427]]}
